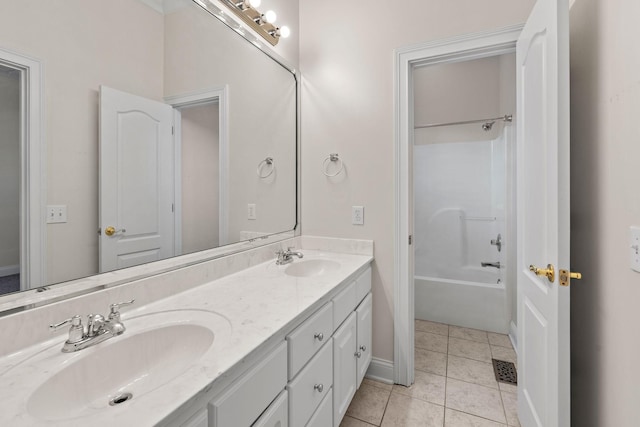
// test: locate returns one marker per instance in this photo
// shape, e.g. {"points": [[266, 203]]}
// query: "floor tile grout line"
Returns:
{"points": [[385, 408]]}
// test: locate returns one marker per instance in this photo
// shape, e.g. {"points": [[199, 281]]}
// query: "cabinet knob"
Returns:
{"points": [[318, 387], [358, 354], [319, 336], [363, 347]]}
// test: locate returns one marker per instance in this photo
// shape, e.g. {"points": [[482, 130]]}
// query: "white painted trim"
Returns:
{"points": [[513, 335], [9, 270], [221, 95], [177, 182], [380, 370], [461, 48], [33, 194]]}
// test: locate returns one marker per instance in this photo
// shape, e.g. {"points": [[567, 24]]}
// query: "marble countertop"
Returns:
{"points": [[259, 304]]}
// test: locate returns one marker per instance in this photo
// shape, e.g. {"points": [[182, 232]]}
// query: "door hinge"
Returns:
{"points": [[173, 130], [173, 207], [410, 239]]}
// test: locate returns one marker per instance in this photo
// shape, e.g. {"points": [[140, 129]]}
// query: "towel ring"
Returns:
{"points": [[268, 161], [333, 157]]}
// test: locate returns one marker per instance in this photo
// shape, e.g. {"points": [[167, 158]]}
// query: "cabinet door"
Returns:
{"points": [[200, 419], [363, 352], [344, 367], [277, 414]]}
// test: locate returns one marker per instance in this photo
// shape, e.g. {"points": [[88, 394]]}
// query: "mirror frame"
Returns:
{"points": [[49, 294]]}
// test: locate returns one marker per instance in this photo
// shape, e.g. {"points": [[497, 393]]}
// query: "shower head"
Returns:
{"points": [[487, 126]]}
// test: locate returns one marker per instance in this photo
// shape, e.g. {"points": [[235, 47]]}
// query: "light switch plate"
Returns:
{"points": [[251, 211], [56, 214], [634, 248], [357, 215]]}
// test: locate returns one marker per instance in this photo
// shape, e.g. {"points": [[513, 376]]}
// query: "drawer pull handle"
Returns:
{"points": [[358, 354], [319, 336], [319, 387], [363, 347]]}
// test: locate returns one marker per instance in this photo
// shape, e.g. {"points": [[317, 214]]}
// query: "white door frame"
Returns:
{"points": [[461, 48], [33, 195], [221, 96]]}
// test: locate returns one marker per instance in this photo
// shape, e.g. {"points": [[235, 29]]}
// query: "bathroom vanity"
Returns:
{"points": [[268, 345]]}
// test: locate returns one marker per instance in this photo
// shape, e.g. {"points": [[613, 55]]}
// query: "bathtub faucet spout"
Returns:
{"points": [[490, 264]]}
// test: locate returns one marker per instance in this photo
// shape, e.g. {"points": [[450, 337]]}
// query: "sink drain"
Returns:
{"points": [[120, 398]]}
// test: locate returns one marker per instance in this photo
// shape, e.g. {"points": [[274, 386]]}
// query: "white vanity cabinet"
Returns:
{"points": [[310, 378], [351, 354]]}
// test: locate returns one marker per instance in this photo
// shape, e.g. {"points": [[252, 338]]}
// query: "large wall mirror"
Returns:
{"points": [[163, 133]]}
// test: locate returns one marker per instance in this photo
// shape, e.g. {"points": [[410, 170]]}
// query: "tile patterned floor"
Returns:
{"points": [[455, 385]]}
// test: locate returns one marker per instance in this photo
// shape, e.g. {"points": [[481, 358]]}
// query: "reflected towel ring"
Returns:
{"points": [[265, 162], [333, 157]]}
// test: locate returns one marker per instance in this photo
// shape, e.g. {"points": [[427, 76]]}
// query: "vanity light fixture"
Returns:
{"points": [[262, 23]]}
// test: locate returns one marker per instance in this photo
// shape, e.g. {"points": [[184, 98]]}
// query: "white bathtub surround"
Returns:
{"points": [[461, 205], [260, 304]]}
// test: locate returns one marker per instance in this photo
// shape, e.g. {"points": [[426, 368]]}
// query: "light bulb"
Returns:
{"points": [[270, 16], [254, 3], [284, 31]]}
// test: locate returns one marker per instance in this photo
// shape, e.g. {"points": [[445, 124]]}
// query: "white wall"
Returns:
{"points": [[71, 104], [9, 168], [605, 178], [346, 57], [200, 177], [261, 115]]}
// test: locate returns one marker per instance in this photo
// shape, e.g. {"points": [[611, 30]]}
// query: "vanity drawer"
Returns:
{"points": [[277, 415], [311, 386], [247, 398], [363, 285], [343, 304], [324, 414], [307, 338]]}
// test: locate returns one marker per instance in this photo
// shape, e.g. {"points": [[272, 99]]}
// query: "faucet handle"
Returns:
{"points": [[75, 322], [115, 309], [76, 331]]}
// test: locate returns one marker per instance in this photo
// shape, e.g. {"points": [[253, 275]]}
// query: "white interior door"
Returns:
{"points": [[543, 216], [136, 180]]}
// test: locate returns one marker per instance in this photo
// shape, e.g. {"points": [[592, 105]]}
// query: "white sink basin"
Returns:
{"points": [[156, 349], [311, 268]]}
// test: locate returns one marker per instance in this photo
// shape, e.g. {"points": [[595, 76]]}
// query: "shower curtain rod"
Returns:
{"points": [[506, 118]]}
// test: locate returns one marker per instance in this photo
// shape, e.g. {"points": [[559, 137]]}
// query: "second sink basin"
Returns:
{"points": [[311, 267], [129, 366]]}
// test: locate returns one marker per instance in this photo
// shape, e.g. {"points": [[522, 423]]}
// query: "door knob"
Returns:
{"points": [[549, 271], [110, 231], [566, 276]]}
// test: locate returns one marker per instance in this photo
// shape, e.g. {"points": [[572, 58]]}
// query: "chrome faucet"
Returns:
{"points": [[98, 328], [491, 264], [285, 257]]}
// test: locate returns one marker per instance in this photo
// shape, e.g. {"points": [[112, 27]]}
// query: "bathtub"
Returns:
{"points": [[467, 303]]}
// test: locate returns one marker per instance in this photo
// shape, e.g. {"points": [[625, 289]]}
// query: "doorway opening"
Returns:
{"points": [[22, 154], [411, 64], [463, 183]]}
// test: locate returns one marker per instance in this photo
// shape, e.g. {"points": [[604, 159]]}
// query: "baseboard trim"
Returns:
{"points": [[380, 370], [9, 270], [513, 336]]}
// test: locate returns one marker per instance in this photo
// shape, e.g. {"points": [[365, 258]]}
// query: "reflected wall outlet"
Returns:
{"points": [[357, 215], [56, 214], [634, 248], [251, 211]]}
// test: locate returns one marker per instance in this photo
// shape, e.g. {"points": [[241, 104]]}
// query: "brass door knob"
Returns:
{"points": [[549, 271], [110, 231]]}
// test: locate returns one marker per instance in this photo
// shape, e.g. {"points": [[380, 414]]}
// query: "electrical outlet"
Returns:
{"points": [[634, 248], [56, 214], [357, 215], [251, 211]]}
